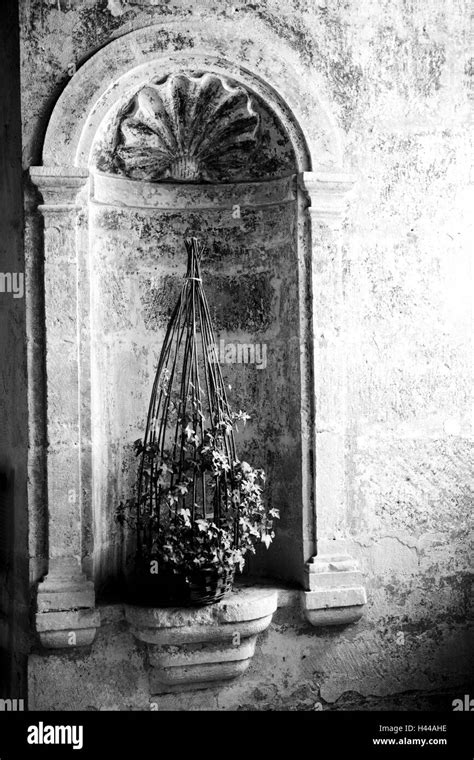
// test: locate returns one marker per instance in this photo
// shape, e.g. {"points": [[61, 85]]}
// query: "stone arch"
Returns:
{"points": [[253, 56]]}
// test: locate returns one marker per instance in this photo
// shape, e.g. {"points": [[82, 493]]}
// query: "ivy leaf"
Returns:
{"points": [[190, 434]]}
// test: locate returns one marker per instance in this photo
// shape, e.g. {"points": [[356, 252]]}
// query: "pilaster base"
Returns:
{"points": [[66, 614], [336, 594]]}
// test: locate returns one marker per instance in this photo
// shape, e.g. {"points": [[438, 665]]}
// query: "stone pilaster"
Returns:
{"points": [[66, 614], [335, 594]]}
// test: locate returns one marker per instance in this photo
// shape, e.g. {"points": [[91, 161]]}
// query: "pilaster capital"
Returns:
{"points": [[59, 186], [327, 194]]}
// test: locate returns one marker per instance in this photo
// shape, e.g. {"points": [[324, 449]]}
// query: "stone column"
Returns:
{"points": [[335, 593], [66, 614]]}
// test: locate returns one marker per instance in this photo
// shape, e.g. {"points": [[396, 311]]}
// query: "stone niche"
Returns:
{"points": [[145, 146], [195, 154]]}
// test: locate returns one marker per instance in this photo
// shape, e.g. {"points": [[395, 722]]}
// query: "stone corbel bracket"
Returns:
{"points": [[336, 593], [197, 648]]}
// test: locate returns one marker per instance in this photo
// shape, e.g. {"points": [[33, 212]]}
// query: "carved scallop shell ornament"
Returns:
{"points": [[189, 128]]}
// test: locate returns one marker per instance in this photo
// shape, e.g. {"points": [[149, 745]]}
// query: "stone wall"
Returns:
{"points": [[397, 78]]}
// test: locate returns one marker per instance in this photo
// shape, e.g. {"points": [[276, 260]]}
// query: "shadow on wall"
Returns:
{"points": [[13, 587], [14, 603], [7, 529]]}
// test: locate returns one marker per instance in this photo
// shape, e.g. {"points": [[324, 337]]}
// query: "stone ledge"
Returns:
{"points": [[193, 648]]}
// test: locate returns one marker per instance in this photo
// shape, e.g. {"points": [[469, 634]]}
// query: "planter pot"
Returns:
{"points": [[209, 586], [163, 590], [196, 589]]}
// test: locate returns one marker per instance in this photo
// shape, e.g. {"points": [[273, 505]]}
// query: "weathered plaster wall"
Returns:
{"points": [[408, 286], [397, 73]]}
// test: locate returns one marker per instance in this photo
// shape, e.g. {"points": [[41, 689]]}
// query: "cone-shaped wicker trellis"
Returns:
{"points": [[188, 408]]}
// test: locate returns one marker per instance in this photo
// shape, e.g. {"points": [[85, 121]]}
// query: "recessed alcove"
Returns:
{"points": [[240, 200]]}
